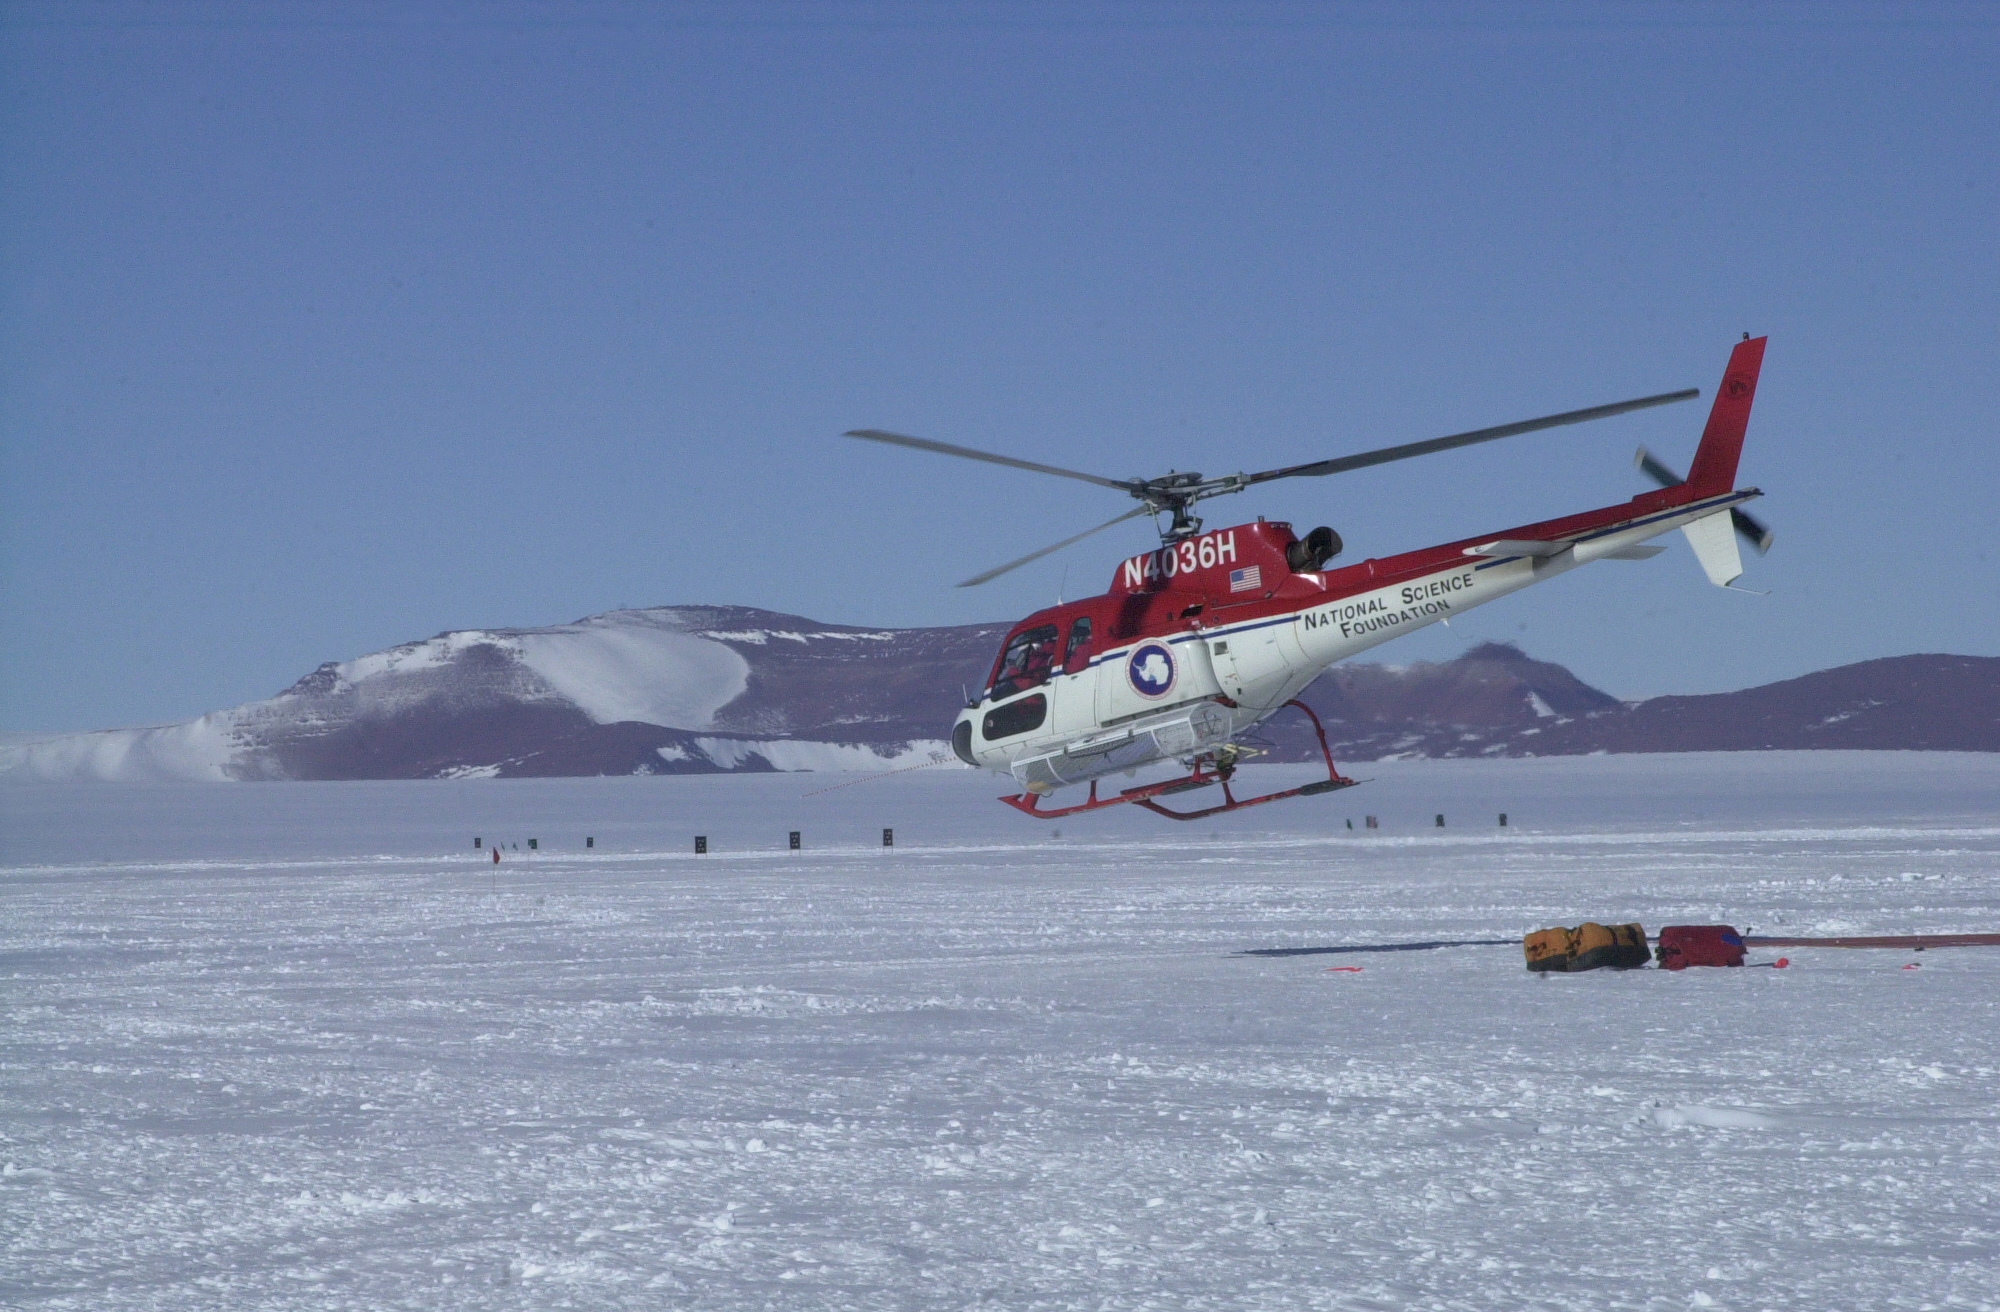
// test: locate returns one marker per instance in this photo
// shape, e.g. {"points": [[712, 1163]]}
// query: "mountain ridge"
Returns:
{"points": [[705, 689]]}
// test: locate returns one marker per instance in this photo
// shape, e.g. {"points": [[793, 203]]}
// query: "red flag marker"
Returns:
{"points": [[1343, 970]]}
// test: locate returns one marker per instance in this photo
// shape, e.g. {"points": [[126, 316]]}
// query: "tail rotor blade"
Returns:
{"points": [[997, 571], [1654, 468], [1753, 531]]}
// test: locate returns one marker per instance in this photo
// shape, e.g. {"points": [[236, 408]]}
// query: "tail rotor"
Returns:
{"points": [[1751, 530]]}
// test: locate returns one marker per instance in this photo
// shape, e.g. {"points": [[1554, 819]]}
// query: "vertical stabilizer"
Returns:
{"points": [[1713, 538], [1722, 441]]}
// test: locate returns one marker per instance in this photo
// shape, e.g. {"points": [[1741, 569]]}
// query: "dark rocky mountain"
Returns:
{"points": [[1492, 694], [1901, 703], [697, 689], [1497, 701]]}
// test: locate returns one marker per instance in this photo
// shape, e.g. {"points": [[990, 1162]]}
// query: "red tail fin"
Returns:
{"points": [[1722, 441]]}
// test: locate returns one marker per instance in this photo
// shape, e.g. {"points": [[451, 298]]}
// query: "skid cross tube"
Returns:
{"points": [[1200, 777]]}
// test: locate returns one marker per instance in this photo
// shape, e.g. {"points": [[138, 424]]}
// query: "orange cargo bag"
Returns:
{"points": [[1587, 947], [1550, 949], [1621, 947]]}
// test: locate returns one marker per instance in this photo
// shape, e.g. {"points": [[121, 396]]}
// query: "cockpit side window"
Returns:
{"points": [[1026, 661], [1079, 638]]}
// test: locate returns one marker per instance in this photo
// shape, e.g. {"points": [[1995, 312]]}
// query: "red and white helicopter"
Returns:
{"points": [[1197, 643]]}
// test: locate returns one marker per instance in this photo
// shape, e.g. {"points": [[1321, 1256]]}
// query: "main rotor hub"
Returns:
{"points": [[1175, 493]]}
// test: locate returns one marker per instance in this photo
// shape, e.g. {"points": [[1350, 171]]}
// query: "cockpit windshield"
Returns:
{"points": [[1027, 661]]}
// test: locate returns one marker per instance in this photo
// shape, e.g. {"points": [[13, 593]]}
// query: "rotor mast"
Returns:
{"points": [[1176, 495]]}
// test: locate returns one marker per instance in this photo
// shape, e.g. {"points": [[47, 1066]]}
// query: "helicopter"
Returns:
{"points": [[1198, 642]]}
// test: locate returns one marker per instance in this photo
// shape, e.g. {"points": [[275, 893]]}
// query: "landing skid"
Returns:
{"points": [[1029, 803]]}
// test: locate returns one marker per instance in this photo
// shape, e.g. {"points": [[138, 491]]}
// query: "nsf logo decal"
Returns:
{"points": [[1151, 670]]}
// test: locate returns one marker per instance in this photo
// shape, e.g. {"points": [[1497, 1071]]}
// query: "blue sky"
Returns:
{"points": [[326, 328]]}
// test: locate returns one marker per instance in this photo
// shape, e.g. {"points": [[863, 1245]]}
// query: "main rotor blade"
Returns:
{"points": [[978, 579], [967, 453], [1383, 456], [1656, 469]]}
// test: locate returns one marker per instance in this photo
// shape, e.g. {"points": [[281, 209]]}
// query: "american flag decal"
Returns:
{"points": [[1247, 579]]}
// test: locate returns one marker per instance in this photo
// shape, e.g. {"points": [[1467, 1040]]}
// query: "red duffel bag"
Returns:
{"points": [[1682, 946]]}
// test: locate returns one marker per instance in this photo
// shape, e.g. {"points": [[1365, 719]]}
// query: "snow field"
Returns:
{"points": [[298, 1045]]}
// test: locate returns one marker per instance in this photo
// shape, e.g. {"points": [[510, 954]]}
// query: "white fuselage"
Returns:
{"points": [[1186, 694]]}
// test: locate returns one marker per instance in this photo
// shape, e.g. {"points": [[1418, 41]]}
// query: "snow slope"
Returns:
{"points": [[613, 670], [303, 1047], [200, 751], [625, 665]]}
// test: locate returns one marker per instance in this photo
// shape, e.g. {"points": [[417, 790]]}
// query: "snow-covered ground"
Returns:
{"points": [[277, 1045]]}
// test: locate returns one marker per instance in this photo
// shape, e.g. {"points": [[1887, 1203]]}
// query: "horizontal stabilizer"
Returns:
{"points": [[1518, 547]]}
